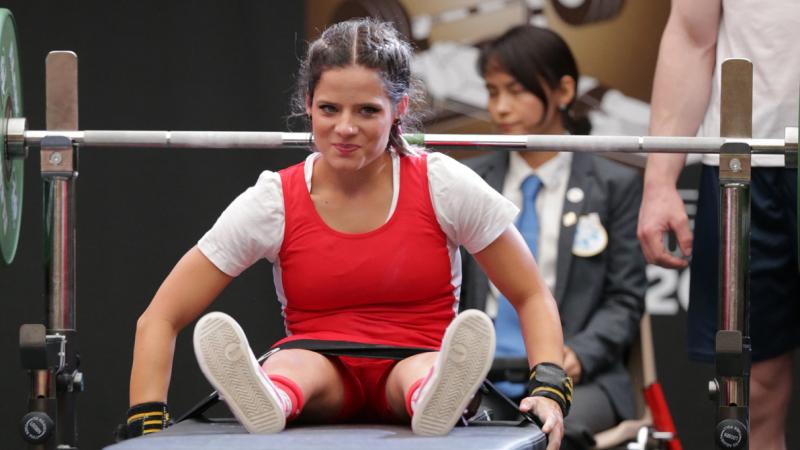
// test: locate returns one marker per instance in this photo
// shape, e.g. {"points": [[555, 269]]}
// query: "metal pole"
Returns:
{"points": [[265, 140], [734, 288], [732, 343], [59, 206], [59, 172]]}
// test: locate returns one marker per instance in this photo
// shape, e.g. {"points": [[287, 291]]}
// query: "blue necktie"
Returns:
{"points": [[509, 334]]}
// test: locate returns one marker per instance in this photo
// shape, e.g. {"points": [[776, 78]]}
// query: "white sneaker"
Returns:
{"points": [[229, 365], [463, 362]]}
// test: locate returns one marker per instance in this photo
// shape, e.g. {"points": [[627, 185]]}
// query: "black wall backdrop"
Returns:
{"points": [[188, 65], [192, 65]]}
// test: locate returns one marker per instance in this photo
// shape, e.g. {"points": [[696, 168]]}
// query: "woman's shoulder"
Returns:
{"points": [[266, 192], [268, 179], [442, 162], [272, 178]]}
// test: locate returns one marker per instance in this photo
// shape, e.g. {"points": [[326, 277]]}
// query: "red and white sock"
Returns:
{"points": [[289, 393], [415, 393]]}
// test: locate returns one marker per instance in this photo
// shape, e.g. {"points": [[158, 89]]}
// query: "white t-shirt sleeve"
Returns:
{"points": [[249, 229], [469, 211]]}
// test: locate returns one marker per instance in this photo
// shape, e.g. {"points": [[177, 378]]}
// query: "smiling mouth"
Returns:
{"points": [[346, 148]]}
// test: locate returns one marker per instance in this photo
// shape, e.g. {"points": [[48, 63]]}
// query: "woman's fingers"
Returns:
{"points": [[549, 413]]}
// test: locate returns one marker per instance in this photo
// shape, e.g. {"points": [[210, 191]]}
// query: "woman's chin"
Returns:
{"points": [[344, 163]]}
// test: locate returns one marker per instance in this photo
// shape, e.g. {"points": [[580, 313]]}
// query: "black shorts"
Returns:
{"points": [[774, 278]]}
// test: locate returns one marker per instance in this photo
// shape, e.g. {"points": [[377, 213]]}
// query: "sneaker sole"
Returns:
{"points": [[227, 362], [465, 358]]}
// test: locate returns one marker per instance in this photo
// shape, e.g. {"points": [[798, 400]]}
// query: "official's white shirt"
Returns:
{"points": [[549, 205]]}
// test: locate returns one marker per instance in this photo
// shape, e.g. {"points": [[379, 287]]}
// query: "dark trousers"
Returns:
{"points": [[774, 279], [591, 412]]}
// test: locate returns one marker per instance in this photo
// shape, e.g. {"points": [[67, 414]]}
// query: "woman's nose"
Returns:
{"points": [[346, 126], [503, 104]]}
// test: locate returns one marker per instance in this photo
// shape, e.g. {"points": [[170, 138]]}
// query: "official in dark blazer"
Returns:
{"points": [[596, 269], [601, 297]]}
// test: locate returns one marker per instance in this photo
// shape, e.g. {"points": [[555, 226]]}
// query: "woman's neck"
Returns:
{"points": [[352, 182], [536, 159]]}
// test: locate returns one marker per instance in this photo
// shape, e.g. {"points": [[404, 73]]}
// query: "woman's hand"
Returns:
{"points": [[549, 413]]}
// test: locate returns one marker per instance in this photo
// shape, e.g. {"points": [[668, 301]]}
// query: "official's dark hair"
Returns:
{"points": [[533, 56], [372, 44]]}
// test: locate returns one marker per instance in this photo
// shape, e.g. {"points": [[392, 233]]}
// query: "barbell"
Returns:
{"points": [[16, 140]]}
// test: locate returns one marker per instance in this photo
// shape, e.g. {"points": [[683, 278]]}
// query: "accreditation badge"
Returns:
{"points": [[591, 237]]}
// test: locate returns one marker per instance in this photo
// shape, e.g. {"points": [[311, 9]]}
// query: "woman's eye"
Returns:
{"points": [[369, 110], [329, 109]]}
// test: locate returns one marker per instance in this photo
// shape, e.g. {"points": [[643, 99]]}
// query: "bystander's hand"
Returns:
{"points": [[572, 365], [663, 211]]}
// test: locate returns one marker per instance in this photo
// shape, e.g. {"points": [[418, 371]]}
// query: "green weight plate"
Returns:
{"points": [[11, 168]]}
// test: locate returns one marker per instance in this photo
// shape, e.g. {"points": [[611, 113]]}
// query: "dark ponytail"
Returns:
{"points": [[575, 124]]}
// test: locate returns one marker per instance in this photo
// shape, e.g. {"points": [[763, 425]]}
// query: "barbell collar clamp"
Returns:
{"points": [[15, 138], [790, 140]]}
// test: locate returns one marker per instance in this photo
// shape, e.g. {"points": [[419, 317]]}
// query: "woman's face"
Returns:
{"points": [[516, 110], [351, 116]]}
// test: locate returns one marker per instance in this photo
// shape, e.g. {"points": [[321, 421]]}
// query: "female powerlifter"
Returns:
{"points": [[364, 238]]}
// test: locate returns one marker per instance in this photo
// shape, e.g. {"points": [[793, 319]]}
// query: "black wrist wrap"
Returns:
{"points": [[146, 418], [549, 380]]}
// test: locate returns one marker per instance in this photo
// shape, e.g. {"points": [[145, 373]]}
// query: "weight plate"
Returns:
{"points": [[11, 168]]}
